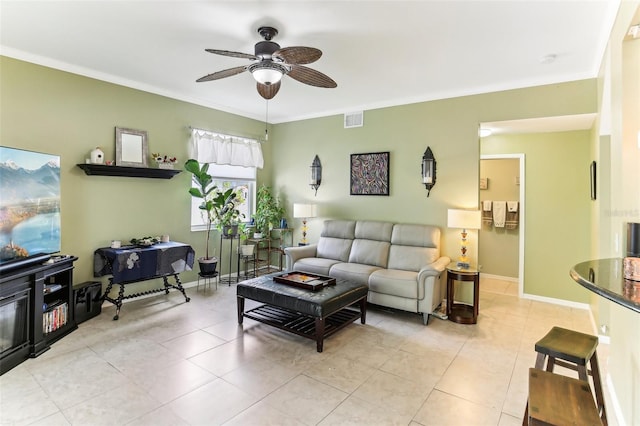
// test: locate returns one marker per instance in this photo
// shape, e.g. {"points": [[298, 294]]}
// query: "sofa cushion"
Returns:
{"points": [[410, 258], [315, 265], [395, 282], [373, 230], [413, 246], [339, 229], [416, 235], [370, 252], [334, 248], [355, 272]]}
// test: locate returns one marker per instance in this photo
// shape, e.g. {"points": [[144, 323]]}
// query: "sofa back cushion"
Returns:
{"points": [[336, 239], [373, 230], [370, 252], [413, 246], [339, 229], [371, 245]]}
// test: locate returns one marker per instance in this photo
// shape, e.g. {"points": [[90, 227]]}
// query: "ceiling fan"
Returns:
{"points": [[272, 62]]}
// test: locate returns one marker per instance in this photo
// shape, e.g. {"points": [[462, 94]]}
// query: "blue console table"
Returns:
{"points": [[132, 264]]}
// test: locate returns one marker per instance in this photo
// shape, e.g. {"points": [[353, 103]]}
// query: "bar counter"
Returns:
{"points": [[605, 277]]}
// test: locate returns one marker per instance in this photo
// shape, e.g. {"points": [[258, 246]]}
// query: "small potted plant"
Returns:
{"points": [[227, 217], [164, 161], [269, 212], [245, 232]]}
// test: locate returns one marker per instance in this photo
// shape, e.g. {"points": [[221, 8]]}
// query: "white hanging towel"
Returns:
{"points": [[499, 213], [512, 206], [487, 214]]}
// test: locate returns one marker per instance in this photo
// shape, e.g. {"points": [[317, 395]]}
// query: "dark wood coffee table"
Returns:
{"points": [[311, 314]]}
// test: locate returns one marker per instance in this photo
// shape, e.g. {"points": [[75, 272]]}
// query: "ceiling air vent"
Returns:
{"points": [[353, 119]]}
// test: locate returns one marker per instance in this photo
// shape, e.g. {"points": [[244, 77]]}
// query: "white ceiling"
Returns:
{"points": [[381, 53]]}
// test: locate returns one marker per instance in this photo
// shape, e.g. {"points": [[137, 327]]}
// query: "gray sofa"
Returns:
{"points": [[400, 263]]}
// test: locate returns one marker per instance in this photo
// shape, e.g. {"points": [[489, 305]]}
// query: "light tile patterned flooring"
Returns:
{"points": [[166, 362]]}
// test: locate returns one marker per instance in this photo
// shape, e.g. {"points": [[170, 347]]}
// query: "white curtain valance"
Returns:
{"points": [[209, 147]]}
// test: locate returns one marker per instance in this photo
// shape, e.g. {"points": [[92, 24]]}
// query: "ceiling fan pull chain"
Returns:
{"points": [[266, 121]]}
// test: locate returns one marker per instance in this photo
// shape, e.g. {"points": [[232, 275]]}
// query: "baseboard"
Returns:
{"points": [[555, 301], [499, 277], [614, 401]]}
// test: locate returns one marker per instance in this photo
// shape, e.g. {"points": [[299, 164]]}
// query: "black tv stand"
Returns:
{"points": [[46, 309]]}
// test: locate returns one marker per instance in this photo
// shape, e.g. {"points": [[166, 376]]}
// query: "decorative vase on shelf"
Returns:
{"points": [[97, 156]]}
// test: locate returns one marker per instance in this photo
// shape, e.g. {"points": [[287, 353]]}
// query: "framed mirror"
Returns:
{"points": [[131, 147]]}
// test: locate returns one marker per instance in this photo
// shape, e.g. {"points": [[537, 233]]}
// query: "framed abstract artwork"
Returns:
{"points": [[370, 173]]}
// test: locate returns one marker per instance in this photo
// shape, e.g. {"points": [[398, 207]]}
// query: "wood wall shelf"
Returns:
{"points": [[138, 172]]}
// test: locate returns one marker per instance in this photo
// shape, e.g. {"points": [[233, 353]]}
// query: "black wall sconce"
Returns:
{"points": [[316, 174], [428, 170]]}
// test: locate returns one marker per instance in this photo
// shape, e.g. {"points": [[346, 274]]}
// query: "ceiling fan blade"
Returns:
{"points": [[268, 92], [311, 77], [232, 54], [222, 74], [298, 55]]}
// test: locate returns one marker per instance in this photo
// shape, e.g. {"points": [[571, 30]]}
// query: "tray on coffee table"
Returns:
{"points": [[313, 282]]}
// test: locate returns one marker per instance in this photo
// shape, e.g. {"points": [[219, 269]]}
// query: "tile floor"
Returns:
{"points": [[166, 362]]}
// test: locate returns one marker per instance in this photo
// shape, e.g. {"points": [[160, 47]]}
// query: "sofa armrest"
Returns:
{"points": [[429, 292], [294, 253], [434, 269]]}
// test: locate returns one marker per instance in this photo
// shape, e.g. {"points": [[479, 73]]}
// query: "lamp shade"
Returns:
{"points": [[267, 72], [464, 219], [304, 210], [267, 75]]}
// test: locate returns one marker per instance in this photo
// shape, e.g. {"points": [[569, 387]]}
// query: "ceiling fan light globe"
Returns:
{"points": [[266, 76]]}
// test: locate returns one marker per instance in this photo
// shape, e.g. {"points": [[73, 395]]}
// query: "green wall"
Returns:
{"points": [[557, 208], [450, 128], [46, 110], [58, 112]]}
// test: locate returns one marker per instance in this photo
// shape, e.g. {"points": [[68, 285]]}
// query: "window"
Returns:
{"points": [[225, 177]]}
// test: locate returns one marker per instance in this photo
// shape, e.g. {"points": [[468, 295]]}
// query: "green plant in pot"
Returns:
{"points": [[217, 207], [268, 211], [245, 232], [228, 219]]}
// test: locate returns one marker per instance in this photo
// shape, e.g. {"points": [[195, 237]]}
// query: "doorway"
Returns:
{"points": [[504, 179]]}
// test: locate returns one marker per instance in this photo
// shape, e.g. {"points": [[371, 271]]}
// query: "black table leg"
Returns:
{"points": [[319, 333], [240, 309]]}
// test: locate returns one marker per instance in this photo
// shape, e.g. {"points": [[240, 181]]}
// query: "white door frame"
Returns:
{"points": [[521, 226]]}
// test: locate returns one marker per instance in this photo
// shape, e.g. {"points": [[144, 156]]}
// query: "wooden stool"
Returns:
{"points": [[560, 400], [572, 350]]}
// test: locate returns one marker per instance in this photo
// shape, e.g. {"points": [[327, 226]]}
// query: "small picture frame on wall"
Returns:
{"points": [[592, 174], [370, 174], [131, 147], [484, 183]]}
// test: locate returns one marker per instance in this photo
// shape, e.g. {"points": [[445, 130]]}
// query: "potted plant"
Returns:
{"points": [[227, 216], [268, 211], [245, 232], [216, 206]]}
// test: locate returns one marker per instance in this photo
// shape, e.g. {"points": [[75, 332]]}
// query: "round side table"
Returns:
{"points": [[461, 312]]}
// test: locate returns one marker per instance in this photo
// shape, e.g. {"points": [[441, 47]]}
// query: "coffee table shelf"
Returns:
{"points": [[300, 324]]}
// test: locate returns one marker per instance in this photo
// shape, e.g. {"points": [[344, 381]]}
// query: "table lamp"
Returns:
{"points": [[463, 219], [304, 211]]}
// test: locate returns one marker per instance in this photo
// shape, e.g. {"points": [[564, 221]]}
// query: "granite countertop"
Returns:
{"points": [[605, 277]]}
